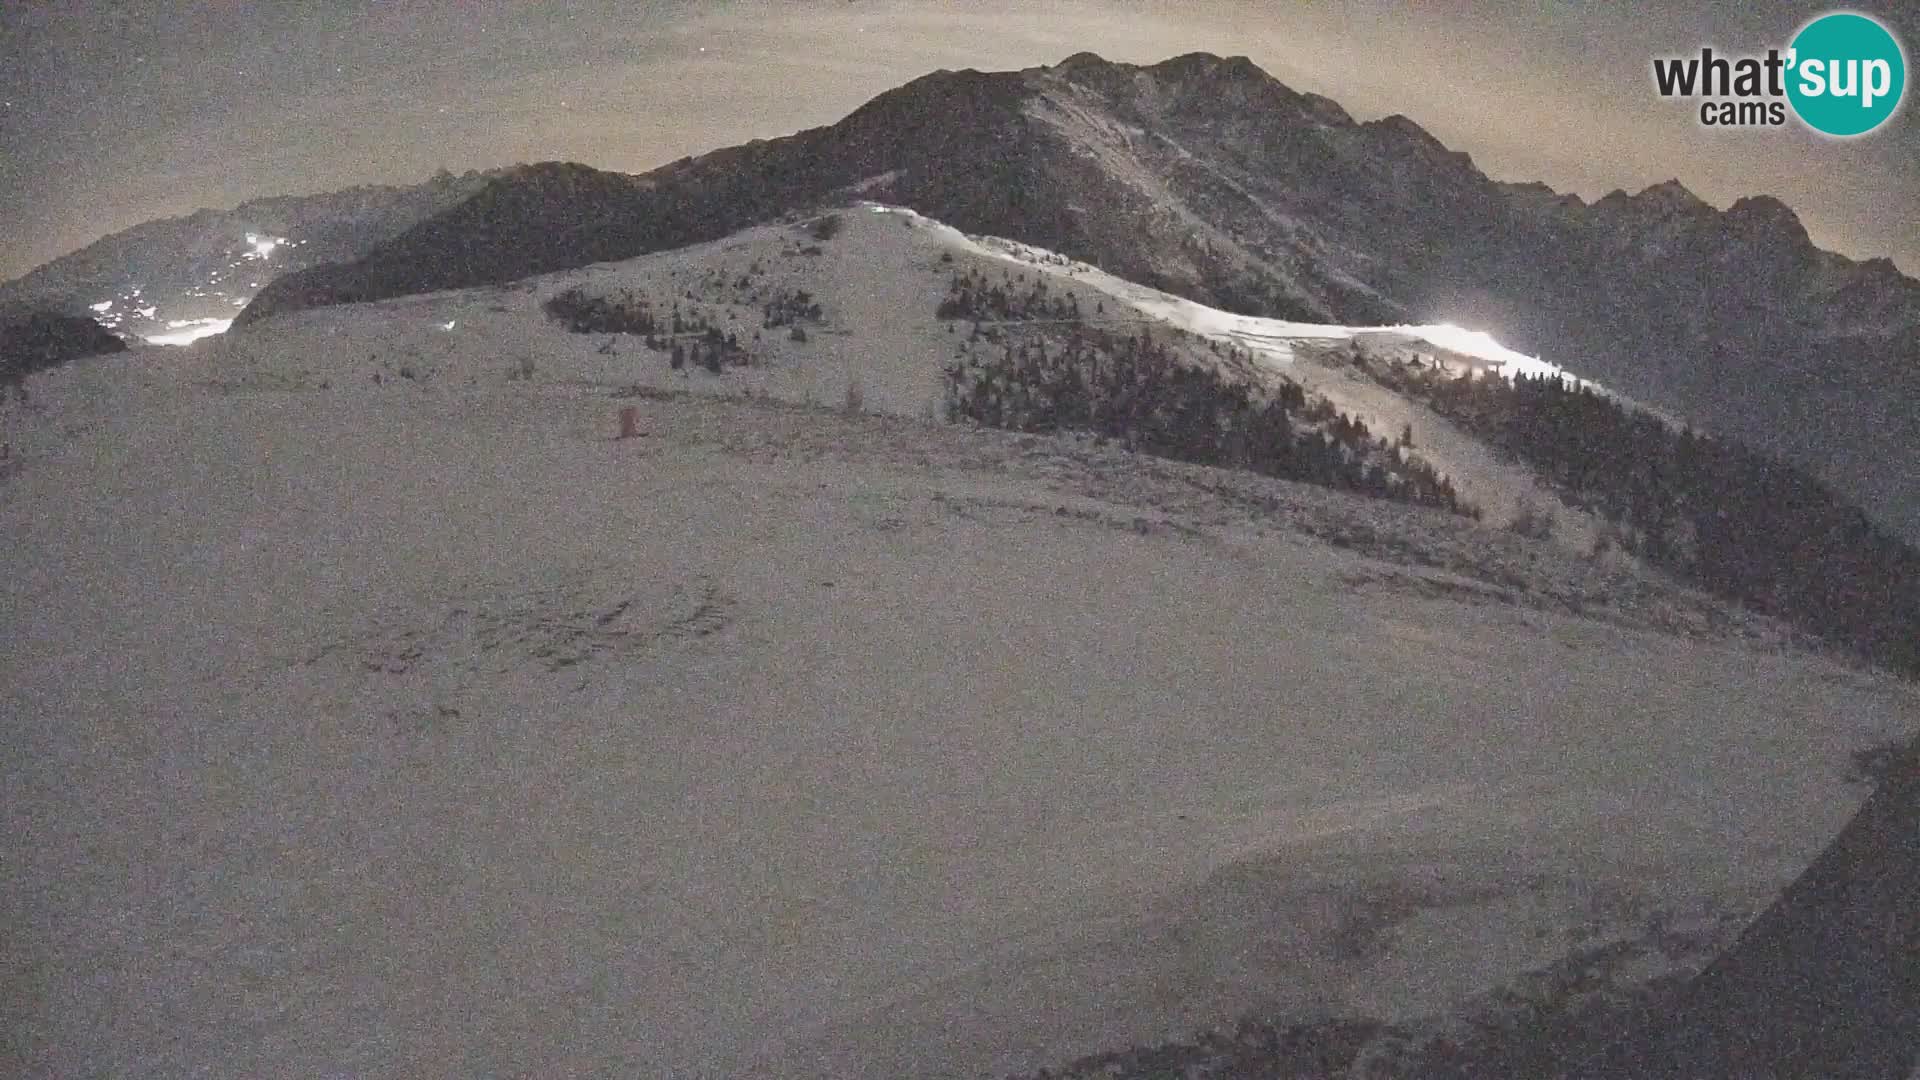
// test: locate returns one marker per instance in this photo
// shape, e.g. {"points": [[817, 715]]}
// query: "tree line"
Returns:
{"points": [[688, 338], [1138, 391], [1735, 522]]}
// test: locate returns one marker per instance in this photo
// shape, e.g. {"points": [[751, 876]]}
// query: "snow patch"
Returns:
{"points": [[189, 331]]}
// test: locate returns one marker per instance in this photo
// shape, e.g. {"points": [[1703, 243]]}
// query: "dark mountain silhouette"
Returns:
{"points": [[1826, 983], [1207, 177], [32, 341]]}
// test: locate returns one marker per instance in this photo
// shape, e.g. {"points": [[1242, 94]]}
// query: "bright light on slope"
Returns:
{"points": [[1479, 343], [196, 329], [1269, 340], [104, 305], [1461, 340], [263, 245]]}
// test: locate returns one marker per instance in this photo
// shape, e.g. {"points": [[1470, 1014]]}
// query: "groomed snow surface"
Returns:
{"points": [[421, 728]]}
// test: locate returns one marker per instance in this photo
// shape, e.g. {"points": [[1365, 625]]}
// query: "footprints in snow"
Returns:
{"points": [[593, 619]]}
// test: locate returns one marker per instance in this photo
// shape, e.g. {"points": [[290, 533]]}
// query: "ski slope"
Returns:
{"points": [[879, 286], [1504, 489], [1270, 339], [374, 712]]}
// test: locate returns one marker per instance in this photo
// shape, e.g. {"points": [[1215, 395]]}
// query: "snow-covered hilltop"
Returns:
{"points": [[1205, 177], [1293, 350], [379, 710], [885, 341]]}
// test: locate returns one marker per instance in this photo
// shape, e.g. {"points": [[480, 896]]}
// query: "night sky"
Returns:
{"points": [[115, 113]]}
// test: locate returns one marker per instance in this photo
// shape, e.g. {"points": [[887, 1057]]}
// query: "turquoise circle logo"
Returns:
{"points": [[1847, 74]]}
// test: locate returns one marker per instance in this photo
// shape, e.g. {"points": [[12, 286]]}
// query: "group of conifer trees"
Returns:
{"points": [[1738, 523], [973, 295], [688, 338], [1137, 391], [790, 307]]}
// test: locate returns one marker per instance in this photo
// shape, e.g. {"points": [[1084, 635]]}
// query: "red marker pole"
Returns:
{"points": [[629, 421]]}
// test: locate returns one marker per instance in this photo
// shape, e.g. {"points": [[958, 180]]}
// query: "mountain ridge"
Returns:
{"points": [[1208, 178], [199, 267], [993, 104]]}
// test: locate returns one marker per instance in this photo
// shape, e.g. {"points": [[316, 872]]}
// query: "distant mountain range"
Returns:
{"points": [[1206, 177], [175, 276]]}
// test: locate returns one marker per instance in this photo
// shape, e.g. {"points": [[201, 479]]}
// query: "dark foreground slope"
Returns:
{"points": [[1826, 983], [37, 340]]}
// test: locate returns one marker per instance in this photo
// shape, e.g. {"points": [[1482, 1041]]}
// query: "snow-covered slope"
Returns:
{"points": [[1502, 488], [419, 727], [878, 284], [1271, 337]]}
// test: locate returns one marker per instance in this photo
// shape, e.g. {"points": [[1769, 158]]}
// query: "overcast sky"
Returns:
{"points": [[115, 113]]}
